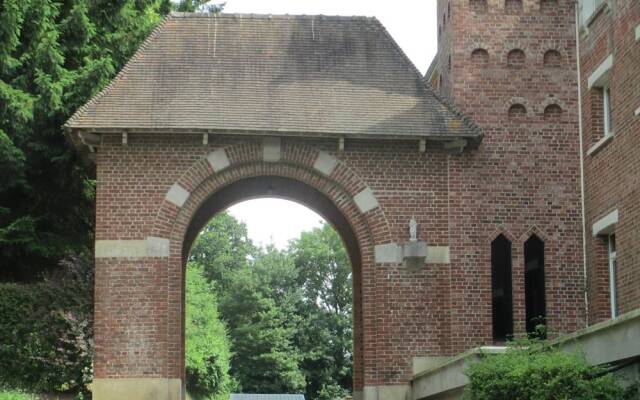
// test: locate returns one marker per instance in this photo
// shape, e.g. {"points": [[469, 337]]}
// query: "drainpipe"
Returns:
{"points": [[582, 190]]}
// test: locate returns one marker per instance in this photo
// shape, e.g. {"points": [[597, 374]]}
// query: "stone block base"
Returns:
{"points": [[137, 389]]}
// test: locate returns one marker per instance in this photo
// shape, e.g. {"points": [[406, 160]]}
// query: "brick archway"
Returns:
{"points": [[354, 134], [292, 177]]}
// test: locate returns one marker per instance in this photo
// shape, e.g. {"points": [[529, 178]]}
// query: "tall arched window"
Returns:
{"points": [[501, 297], [534, 291]]}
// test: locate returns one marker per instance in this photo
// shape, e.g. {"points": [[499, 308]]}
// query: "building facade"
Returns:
{"points": [[564, 72], [517, 162], [609, 45]]}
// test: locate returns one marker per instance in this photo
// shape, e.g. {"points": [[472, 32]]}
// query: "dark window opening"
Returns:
{"points": [[480, 57], [517, 112], [513, 6], [534, 291], [516, 58], [501, 297], [548, 5], [552, 112], [478, 6], [552, 59]]}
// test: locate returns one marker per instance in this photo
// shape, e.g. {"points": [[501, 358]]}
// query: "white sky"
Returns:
{"points": [[274, 221], [412, 23]]}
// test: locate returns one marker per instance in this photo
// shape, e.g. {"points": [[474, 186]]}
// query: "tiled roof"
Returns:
{"points": [[266, 397], [291, 75]]}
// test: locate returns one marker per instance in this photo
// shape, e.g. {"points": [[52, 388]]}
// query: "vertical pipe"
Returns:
{"points": [[582, 189]]}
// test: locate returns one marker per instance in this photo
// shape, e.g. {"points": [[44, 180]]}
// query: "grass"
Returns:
{"points": [[15, 395]]}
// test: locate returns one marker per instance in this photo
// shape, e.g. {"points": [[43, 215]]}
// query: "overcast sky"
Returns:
{"points": [[412, 23]]}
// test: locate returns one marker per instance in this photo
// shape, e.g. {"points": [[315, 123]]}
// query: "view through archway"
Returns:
{"points": [[269, 304]]}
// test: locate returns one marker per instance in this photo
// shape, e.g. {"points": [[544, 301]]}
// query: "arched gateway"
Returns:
{"points": [[326, 111]]}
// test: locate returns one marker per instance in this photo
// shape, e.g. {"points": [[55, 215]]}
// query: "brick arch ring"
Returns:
{"points": [[316, 169], [262, 169]]}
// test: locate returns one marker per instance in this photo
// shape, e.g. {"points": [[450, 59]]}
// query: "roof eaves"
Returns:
{"points": [[468, 122]]}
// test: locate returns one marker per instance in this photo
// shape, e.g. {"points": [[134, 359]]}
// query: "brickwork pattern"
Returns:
{"points": [[404, 313], [525, 178]]}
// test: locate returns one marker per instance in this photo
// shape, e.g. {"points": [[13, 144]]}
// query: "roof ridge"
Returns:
{"points": [[120, 74], [178, 14]]}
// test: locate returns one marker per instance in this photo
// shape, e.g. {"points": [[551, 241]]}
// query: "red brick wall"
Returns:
{"points": [[399, 315], [612, 174], [525, 178]]}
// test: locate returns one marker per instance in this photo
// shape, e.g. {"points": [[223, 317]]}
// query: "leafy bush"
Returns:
{"points": [[46, 330], [207, 354], [532, 370]]}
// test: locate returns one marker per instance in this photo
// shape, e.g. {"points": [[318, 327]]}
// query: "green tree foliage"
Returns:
{"points": [[46, 331], [222, 247], [54, 55], [207, 351], [288, 313], [532, 370], [325, 334], [260, 307]]}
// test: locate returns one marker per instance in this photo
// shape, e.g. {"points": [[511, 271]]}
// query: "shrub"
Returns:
{"points": [[532, 370], [207, 351], [46, 330]]}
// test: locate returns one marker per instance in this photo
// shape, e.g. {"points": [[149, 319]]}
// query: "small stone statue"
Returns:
{"points": [[413, 230]]}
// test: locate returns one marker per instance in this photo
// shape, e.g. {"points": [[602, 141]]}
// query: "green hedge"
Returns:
{"points": [[46, 331], [532, 371]]}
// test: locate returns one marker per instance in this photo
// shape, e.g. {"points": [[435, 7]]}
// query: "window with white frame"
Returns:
{"points": [[587, 9], [600, 81], [606, 111], [611, 251], [605, 228]]}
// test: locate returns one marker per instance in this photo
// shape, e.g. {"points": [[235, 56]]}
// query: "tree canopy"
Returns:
{"points": [[287, 312], [54, 56]]}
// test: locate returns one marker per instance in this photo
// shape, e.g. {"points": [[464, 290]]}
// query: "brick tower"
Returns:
{"points": [[510, 65]]}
